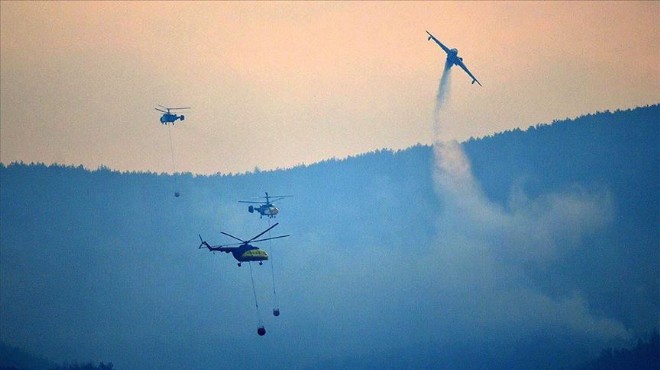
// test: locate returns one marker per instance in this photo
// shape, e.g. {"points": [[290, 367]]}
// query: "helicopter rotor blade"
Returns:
{"points": [[231, 236], [275, 237], [263, 232], [229, 245], [247, 201], [171, 108], [273, 197], [160, 110], [205, 244]]}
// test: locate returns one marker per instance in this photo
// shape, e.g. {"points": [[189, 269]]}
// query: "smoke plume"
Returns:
{"points": [[485, 248]]}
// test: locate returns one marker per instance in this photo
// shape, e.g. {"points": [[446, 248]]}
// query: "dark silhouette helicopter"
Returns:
{"points": [[168, 116], [266, 208], [244, 252]]}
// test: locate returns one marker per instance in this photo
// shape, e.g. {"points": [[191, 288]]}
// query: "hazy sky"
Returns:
{"points": [[279, 84]]}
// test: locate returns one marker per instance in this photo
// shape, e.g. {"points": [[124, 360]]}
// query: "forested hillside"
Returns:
{"points": [[104, 266]]}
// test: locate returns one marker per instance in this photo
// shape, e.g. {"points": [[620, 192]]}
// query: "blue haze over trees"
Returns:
{"points": [[104, 266]]}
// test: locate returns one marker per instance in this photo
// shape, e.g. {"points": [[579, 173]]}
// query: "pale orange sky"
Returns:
{"points": [[279, 84]]}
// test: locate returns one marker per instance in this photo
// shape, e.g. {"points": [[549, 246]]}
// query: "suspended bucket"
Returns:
{"points": [[276, 311], [261, 331], [176, 194]]}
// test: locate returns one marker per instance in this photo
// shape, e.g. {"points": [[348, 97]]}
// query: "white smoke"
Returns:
{"points": [[485, 247], [443, 92]]}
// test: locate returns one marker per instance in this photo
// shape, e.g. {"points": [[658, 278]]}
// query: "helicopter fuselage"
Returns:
{"points": [[265, 210], [243, 253], [170, 118], [247, 253]]}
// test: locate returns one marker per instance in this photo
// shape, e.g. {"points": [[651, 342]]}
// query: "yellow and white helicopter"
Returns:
{"points": [[244, 252]]}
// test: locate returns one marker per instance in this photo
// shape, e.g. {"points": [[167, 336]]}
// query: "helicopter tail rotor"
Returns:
{"points": [[203, 243]]}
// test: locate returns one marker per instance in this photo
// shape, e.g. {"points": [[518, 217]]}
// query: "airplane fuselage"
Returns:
{"points": [[453, 58]]}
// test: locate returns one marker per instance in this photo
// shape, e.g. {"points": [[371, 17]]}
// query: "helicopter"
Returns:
{"points": [[169, 117], [244, 252], [266, 208]]}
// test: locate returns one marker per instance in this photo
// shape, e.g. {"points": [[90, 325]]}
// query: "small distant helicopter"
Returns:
{"points": [[244, 252], [168, 116], [266, 208]]}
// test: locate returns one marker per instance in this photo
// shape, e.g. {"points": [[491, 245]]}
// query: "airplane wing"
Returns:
{"points": [[446, 49], [474, 79]]}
